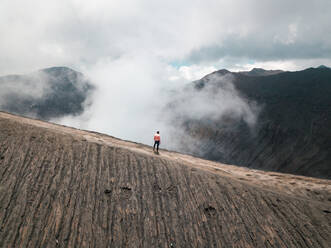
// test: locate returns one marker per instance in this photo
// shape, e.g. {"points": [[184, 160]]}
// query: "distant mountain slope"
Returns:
{"points": [[45, 94], [63, 187], [260, 72], [293, 129]]}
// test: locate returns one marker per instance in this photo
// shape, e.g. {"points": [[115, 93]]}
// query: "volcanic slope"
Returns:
{"points": [[64, 187], [292, 133]]}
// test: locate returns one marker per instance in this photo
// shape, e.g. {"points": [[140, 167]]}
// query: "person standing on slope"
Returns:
{"points": [[157, 141]]}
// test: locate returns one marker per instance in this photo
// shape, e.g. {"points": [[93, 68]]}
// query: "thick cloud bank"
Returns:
{"points": [[134, 102], [217, 97], [226, 34], [214, 103], [136, 52]]}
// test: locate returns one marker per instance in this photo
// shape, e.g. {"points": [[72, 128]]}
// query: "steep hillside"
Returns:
{"points": [[293, 130], [45, 94], [64, 187]]}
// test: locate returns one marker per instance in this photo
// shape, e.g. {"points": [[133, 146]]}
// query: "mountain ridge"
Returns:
{"points": [[292, 132], [70, 187], [48, 93]]}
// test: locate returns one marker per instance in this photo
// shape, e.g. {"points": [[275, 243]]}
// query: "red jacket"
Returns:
{"points": [[157, 137]]}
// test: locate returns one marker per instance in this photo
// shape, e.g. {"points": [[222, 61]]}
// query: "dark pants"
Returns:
{"points": [[157, 143]]}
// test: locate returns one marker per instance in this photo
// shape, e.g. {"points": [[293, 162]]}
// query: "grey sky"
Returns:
{"points": [[136, 50], [37, 33]]}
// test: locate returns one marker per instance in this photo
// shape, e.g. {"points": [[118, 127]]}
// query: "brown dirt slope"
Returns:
{"points": [[64, 187]]}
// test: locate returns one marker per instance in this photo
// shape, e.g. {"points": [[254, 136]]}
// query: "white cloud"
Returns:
{"points": [[131, 92], [38, 33], [195, 72], [127, 47]]}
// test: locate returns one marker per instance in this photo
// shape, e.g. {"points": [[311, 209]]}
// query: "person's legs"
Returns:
{"points": [[157, 145], [154, 145]]}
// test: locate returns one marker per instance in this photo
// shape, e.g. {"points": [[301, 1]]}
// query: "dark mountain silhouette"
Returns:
{"points": [[323, 67], [260, 72], [64, 187], [293, 129], [45, 94]]}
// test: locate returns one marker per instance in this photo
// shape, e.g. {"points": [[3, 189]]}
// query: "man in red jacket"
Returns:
{"points": [[157, 141]]}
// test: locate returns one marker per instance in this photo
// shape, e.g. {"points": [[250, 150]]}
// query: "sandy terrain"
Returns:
{"points": [[65, 187]]}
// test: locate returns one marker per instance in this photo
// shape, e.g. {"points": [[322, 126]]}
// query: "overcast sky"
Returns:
{"points": [[205, 35], [131, 49]]}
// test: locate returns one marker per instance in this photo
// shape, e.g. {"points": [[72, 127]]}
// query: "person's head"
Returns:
{"points": [[157, 132]]}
